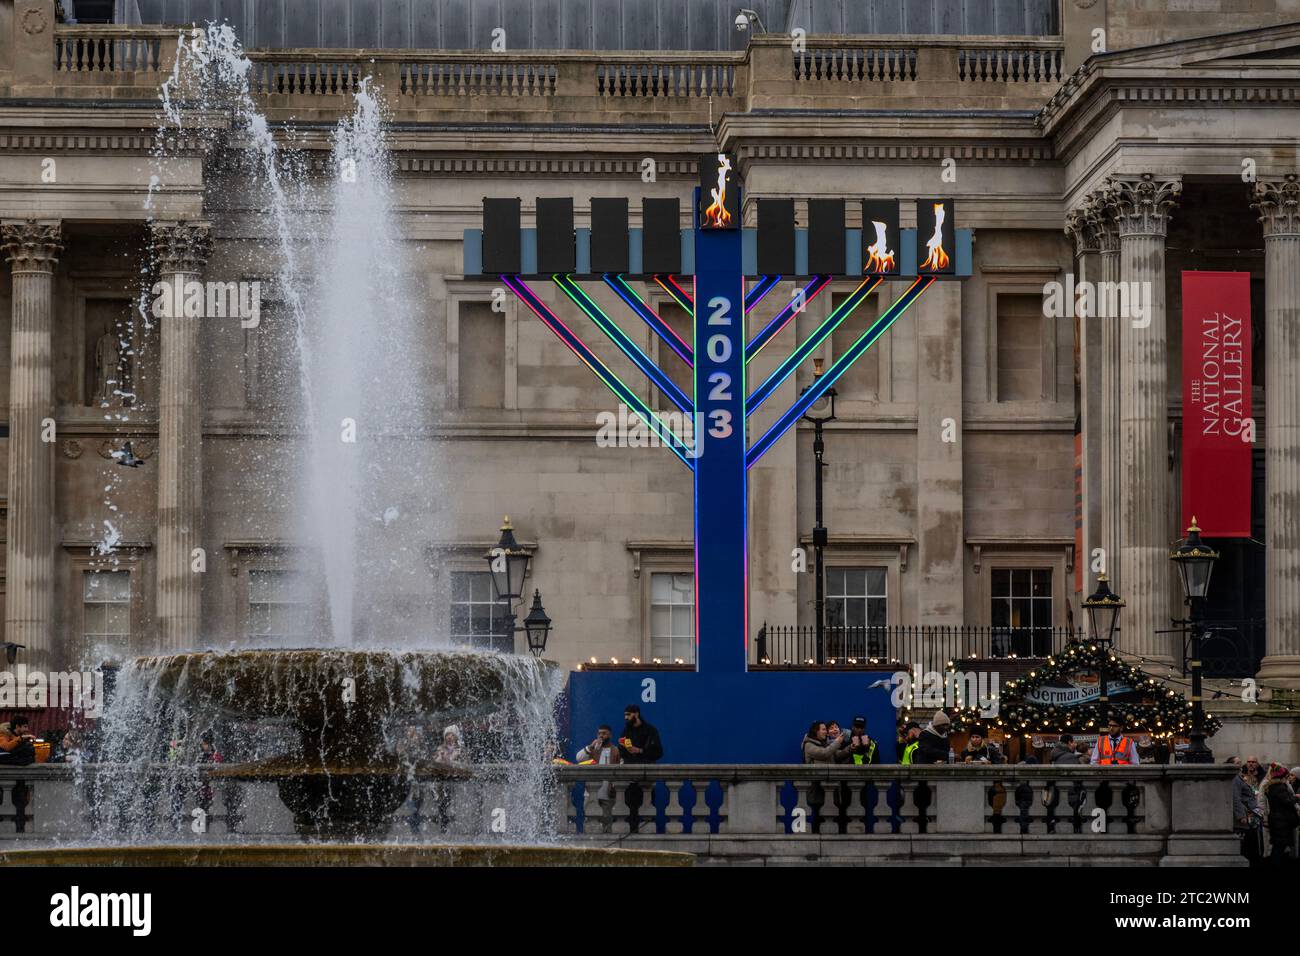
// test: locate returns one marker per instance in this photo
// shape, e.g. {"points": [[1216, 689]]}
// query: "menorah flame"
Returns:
{"points": [[715, 214], [880, 258], [937, 259]]}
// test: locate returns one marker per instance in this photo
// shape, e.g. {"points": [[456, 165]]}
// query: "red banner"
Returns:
{"points": [[1218, 431]]}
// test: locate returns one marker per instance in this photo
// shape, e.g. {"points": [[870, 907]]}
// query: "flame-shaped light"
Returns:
{"points": [[715, 214], [880, 258], [937, 259]]}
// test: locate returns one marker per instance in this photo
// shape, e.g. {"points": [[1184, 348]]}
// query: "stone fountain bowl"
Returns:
{"points": [[341, 781], [312, 687]]}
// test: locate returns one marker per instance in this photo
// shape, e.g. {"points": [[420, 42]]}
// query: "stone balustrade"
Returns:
{"points": [[723, 813], [129, 62]]}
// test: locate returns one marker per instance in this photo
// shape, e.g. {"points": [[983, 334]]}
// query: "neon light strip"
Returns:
{"points": [[629, 348], [838, 368], [757, 294], [845, 309], [773, 328], [589, 358], [684, 299], [647, 314]]}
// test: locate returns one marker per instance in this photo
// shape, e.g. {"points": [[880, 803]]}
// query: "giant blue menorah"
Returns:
{"points": [[717, 258]]}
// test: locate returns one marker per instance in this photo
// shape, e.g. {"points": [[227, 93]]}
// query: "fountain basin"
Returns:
{"points": [[334, 854]]}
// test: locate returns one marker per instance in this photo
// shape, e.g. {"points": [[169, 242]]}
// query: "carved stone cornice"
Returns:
{"points": [[181, 246], [533, 166], [1278, 202], [32, 245], [1139, 205]]}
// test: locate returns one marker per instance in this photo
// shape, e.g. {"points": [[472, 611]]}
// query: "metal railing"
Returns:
{"points": [[930, 646]]}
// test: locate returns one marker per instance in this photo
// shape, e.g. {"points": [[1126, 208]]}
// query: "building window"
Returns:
{"points": [[106, 611], [1020, 348], [277, 610], [479, 619], [856, 612], [1022, 612], [672, 617]]}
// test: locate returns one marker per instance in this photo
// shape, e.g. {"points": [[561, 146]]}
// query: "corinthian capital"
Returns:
{"points": [[1140, 205], [1081, 226], [32, 245], [181, 246], [1278, 203]]}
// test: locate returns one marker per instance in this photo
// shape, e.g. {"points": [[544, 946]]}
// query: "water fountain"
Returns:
{"points": [[327, 724]]}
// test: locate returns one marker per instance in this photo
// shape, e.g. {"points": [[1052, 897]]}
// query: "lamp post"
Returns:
{"points": [[820, 413], [1103, 607], [1195, 563], [508, 563]]}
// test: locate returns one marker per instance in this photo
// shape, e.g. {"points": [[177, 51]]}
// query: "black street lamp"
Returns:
{"points": [[820, 413], [508, 563], [1195, 563], [537, 626], [1103, 607]]}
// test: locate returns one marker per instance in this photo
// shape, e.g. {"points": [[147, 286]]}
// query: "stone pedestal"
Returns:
{"points": [[180, 252], [1279, 205], [1140, 206], [32, 249]]}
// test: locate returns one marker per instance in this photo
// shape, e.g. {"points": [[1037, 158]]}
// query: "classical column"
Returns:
{"points": [[1278, 203], [1140, 207], [1081, 226], [1108, 260], [33, 249], [180, 251]]}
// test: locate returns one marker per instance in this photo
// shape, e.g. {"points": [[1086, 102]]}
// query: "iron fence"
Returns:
{"points": [[930, 646]]}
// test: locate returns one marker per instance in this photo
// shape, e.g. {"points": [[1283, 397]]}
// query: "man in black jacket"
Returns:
{"points": [[639, 743], [934, 741]]}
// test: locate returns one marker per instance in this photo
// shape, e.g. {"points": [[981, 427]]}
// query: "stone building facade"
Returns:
{"points": [[1111, 146]]}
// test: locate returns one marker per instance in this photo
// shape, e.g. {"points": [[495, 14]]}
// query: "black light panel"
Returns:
{"points": [[555, 248], [501, 244], [880, 237], [776, 237], [936, 237], [719, 192], [661, 236], [609, 235], [825, 237]]}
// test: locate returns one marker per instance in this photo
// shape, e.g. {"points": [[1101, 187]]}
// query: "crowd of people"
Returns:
{"points": [[826, 742], [1264, 803]]}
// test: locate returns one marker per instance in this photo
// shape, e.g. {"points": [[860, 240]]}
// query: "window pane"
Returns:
{"points": [[661, 621], [119, 586], [1019, 582], [876, 582], [835, 581], [118, 618], [661, 588], [877, 615], [1001, 582], [684, 588], [1043, 583], [855, 581], [683, 621], [855, 612], [460, 585], [96, 615]]}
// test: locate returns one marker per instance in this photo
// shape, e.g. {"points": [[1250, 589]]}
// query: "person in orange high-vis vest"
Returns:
{"points": [[1115, 748]]}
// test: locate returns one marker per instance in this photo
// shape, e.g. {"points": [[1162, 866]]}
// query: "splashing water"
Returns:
{"points": [[341, 278]]}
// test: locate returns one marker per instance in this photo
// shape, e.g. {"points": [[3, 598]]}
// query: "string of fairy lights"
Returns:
{"points": [[1163, 713]]}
